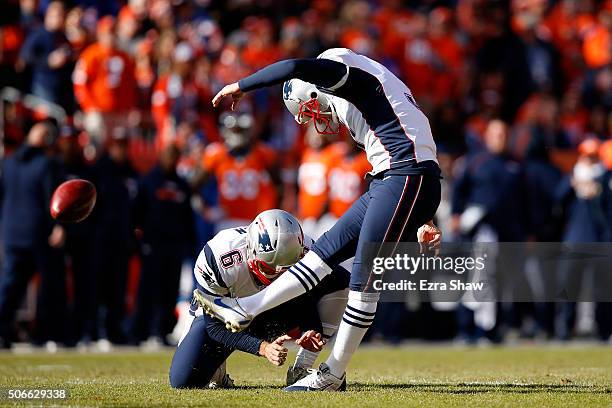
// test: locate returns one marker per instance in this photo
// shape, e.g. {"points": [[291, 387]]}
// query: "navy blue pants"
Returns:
{"points": [[111, 257], [197, 357], [80, 250], [392, 210], [20, 265]]}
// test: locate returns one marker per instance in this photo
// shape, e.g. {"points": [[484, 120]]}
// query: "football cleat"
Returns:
{"points": [[319, 380], [225, 309], [226, 382], [294, 374], [221, 378]]}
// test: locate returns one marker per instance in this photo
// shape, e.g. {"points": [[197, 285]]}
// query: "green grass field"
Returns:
{"points": [[578, 376]]}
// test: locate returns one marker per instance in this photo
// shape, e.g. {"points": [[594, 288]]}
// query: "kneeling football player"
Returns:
{"points": [[240, 262]]}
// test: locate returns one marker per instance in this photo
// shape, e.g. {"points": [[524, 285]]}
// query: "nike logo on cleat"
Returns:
{"points": [[218, 302]]}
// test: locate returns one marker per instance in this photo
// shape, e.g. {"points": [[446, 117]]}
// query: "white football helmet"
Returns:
{"points": [[275, 242], [306, 102]]}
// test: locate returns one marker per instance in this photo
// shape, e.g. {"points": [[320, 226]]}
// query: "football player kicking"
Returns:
{"points": [[240, 262], [342, 87]]}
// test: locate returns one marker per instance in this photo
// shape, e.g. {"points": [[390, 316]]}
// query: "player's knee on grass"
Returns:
{"points": [[197, 357], [179, 378]]}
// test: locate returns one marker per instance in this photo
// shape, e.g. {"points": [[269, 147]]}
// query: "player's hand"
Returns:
{"points": [[429, 237], [275, 352], [57, 239], [455, 224], [232, 90], [57, 58], [311, 341]]}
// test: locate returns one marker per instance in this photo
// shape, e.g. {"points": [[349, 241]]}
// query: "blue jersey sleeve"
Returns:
{"points": [[242, 341], [353, 84], [321, 72]]}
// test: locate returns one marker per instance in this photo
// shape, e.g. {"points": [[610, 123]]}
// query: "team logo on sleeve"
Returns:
{"points": [[206, 274]]}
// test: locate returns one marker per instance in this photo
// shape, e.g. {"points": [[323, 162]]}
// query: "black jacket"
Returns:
{"points": [[163, 211], [29, 178]]}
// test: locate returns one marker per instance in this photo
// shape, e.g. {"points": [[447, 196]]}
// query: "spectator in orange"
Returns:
{"points": [[565, 22], [346, 180], [261, 49], [419, 59], [177, 97], [359, 41], [11, 38], [450, 52], [605, 154], [357, 33], [245, 170], [470, 18], [597, 42], [319, 155], [391, 20], [104, 84]]}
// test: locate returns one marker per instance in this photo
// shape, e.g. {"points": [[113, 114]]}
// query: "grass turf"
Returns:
{"points": [[379, 377]]}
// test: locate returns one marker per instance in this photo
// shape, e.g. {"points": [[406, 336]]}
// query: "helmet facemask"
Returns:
{"points": [[324, 117], [264, 272], [307, 103]]}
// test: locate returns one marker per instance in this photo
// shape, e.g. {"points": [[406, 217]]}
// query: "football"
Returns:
{"points": [[73, 201]]}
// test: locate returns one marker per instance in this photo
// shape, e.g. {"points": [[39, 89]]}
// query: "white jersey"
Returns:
{"points": [[221, 267], [382, 115]]}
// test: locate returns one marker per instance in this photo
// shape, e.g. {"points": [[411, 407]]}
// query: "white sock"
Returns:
{"points": [[305, 358], [331, 307], [300, 278], [357, 318]]}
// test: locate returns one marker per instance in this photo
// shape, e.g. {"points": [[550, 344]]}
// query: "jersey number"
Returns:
{"points": [[344, 185], [230, 259], [243, 184], [115, 68], [311, 177]]}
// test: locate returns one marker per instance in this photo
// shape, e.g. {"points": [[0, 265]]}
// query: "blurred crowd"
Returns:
{"points": [[518, 92]]}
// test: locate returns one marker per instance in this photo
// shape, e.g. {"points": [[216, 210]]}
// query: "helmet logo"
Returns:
{"points": [[264, 245], [287, 88]]}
